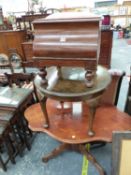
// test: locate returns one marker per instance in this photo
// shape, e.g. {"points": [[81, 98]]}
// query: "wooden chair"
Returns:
{"points": [[27, 64], [111, 95], [23, 80]]}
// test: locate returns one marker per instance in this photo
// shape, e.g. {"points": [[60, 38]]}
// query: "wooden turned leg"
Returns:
{"points": [[43, 107], [44, 84], [92, 111], [55, 152], [92, 104], [92, 159], [89, 76], [59, 72], [43, 74]]}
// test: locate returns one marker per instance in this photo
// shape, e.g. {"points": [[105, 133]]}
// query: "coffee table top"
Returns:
{"points": [[71, 127]]}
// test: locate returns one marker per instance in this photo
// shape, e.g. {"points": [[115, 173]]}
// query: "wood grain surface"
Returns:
{"points": [[69, 126]]}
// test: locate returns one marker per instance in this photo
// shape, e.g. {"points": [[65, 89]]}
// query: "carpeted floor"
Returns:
{"points": [[65, 164]]}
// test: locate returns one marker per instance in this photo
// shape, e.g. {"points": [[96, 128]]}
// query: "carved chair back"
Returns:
{"points": [[22, 80], [19, 78], [111, 95]]}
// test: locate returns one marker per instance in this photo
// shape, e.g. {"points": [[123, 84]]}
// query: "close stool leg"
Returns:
{"points": [[92, 104], [43, 107]]}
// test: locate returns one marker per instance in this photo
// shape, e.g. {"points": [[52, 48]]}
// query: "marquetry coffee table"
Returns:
{"points": [[70, 127]]}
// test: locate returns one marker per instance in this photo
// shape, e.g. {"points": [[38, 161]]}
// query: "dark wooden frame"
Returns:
{"points": [[128, 98], [118, 137], [1, 18]]}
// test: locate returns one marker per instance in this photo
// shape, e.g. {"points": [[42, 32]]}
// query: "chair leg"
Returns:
{"points": [[27, 129], [10, 149], [18, 139], [1, 149], [24, 122], [3, 165], [23, 134]]}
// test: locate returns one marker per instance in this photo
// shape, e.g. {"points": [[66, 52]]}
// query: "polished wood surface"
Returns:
{"points": [[27, 48], [105, 49], [12, 40], [68, 40], [68, 84], [70, 124], [30, 18]]}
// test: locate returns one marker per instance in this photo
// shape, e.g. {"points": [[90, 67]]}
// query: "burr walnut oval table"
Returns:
{"points": [[70, 127]]}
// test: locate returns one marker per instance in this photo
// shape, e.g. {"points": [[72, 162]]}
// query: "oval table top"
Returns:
{"points": [[71, 127]]}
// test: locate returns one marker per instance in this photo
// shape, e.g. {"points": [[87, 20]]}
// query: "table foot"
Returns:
{"points": [[92, 159], [55, 152]]}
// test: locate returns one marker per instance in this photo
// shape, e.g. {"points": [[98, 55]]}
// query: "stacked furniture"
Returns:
{"points": [[15, 134], [71, 42]]}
